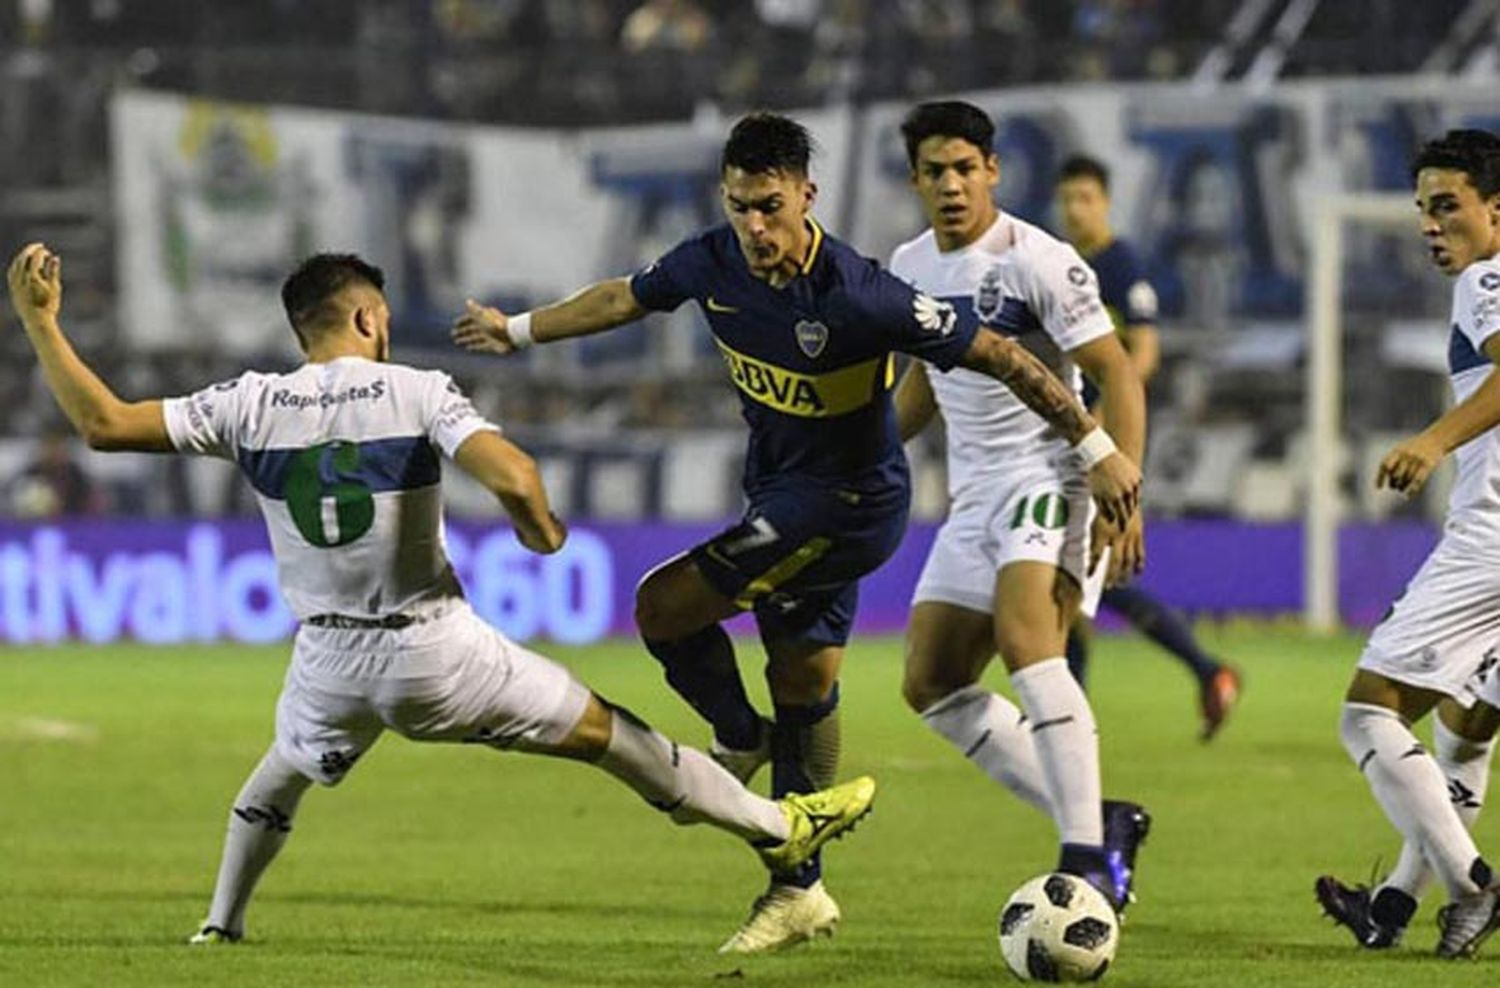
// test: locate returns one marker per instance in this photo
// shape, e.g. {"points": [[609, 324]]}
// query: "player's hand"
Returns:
{"points": [[1406, 468], [1115, 483], [35, 279], [1127, 551], [483, 329], [544, 543]]}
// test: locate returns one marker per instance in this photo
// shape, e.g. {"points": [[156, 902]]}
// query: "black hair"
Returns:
{"points": [[309, 291], [1476, 153], [767, 142], [1082, 166], [947, 118]]}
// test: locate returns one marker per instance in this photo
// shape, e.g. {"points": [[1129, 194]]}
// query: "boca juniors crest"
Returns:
{"points": [[812, 337]]}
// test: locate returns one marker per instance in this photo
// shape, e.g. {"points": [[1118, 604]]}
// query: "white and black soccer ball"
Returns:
{"points": [[1058, 928]]}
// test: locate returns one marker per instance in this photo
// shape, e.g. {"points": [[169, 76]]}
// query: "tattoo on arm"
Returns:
{"points": [[1029, 379]]}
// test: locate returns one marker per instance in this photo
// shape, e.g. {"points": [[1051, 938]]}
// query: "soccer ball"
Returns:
{"points": [[1058, 928]]}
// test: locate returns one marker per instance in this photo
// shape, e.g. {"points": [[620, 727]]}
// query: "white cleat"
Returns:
{"points": [[784, 917], [744, 764], [1466, 923]]}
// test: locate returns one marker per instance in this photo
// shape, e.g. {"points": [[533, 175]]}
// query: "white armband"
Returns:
{"points": [[1095, 448], [518, 328]]}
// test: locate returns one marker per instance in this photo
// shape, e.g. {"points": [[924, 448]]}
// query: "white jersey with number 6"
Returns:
{"points": [[344, 460]]}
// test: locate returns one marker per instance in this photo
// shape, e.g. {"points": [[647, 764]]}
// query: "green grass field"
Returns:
{"points": [[448, 865]]}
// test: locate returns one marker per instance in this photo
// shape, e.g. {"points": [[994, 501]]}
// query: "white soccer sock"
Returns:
{"points": [[992, 733], [1067, 748], [259, 824], [1411, 789], [686, 783], [1466, 765]]}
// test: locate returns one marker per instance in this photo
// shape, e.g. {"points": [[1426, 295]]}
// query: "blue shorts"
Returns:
{"points": [[796, 557]]}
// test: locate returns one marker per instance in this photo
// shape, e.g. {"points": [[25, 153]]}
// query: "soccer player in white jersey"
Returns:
{"points": [[1438, 644], [343, 454], [1012, 564]]}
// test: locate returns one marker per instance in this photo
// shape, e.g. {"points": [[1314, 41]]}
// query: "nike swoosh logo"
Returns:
{"points": [[714, 306]]}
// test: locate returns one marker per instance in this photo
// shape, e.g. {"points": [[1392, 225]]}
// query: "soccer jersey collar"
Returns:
{"points": [[1002, 231]]}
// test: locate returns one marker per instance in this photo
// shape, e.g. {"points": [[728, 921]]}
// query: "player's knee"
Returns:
{"points": [[653, 617], [921, 688], [799, 684], [1022, 643]]}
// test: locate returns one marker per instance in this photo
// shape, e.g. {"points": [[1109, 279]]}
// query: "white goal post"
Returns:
{"points": [[1325, 392]]}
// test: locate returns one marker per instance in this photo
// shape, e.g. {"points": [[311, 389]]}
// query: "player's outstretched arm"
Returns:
{"points": [[96, 412], [603, 305], [512, 476], [1114, 479], [1407, 467], [915, 404]]}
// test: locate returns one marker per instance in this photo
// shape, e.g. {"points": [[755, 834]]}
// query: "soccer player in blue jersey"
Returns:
{"points": [[808, 329], [1083, 201]]}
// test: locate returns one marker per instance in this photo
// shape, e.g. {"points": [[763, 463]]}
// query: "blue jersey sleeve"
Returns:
{"points": [[912, 321], [667, 282], [1127, 290]]}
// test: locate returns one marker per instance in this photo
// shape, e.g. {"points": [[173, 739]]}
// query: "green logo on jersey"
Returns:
{"points": [[306, 495]]}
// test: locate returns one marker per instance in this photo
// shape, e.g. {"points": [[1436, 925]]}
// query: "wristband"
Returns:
{"points": [[1095, 448], [518, 328]]}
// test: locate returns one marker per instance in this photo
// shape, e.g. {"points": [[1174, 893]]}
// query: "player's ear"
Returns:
{"points": [[364, 321]]}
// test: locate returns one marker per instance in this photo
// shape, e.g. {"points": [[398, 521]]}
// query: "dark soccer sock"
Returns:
{"points": [[804, 758], [701, 668], [1078, 657], [1162, 625], [1392, 908]]}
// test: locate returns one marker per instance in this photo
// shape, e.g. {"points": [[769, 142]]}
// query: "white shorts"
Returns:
{"points": [[1443, 632], [449, 678], [1042, 516]]}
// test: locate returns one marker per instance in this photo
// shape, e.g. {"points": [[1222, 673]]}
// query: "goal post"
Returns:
{"points": [[1323, 400]]}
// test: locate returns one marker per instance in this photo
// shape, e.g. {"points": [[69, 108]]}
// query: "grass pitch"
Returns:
{"points": [[435, 865]]}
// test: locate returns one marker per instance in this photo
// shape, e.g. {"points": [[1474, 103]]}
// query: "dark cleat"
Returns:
{"points": [[1217, 698], [1376, 922], [1125, 828]]}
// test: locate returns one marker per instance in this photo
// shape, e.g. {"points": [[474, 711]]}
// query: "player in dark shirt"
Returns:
{"points": [[808, 329], [1083, 200]]}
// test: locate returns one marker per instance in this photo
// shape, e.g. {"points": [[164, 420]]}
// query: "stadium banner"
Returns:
{"points": [[168, 582], [217, 201], [1217, 190]]}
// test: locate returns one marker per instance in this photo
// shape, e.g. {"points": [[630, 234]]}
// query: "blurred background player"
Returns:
{"points": [[1437, 646], [343, 455], [1083, 203], [1010, 568], [808, 329]]}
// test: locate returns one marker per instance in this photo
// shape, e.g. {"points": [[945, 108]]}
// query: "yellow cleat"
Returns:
{"points": [[816, 818], [214, 935]]}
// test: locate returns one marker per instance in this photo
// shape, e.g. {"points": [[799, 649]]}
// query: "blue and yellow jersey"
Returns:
{"points": [[1125, 291], [813, 360], [1123, 285]]}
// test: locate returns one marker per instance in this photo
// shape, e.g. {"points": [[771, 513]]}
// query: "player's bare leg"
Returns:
{"points": [[1411, 789], [947, 650], [805, 742], [678, 613]]}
